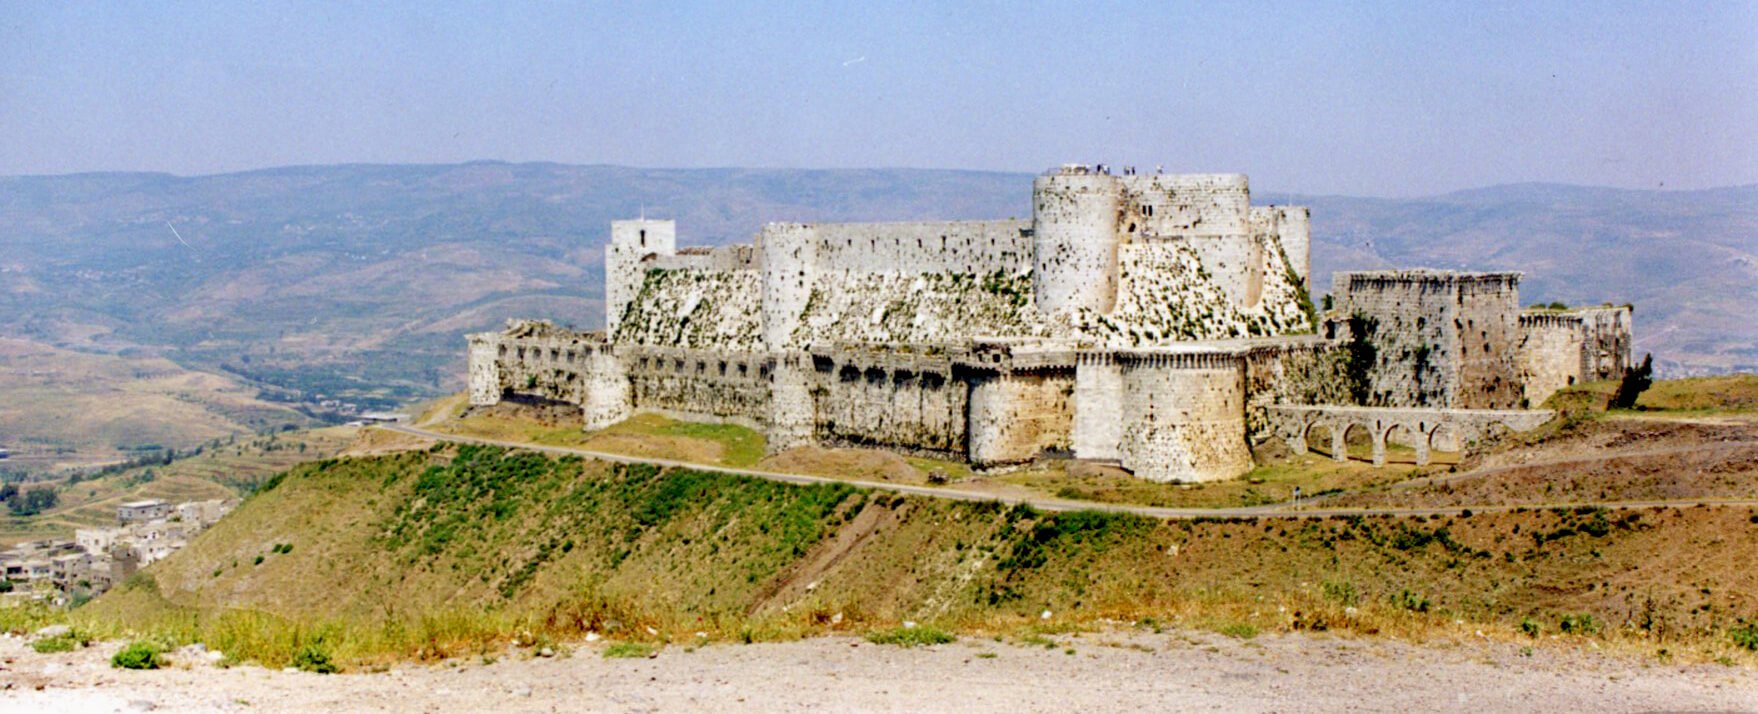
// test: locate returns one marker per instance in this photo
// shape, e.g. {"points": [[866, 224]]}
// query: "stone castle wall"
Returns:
{"points": [[1291, 228], [1443, 339], [1075, 236], [1183, 416], [1097, 431], [630, 243], [538, 360], [1294, 370], [909, 402], [968, 247], [1562, 348], [1015, 416], [1155, 321], [700, 384]]}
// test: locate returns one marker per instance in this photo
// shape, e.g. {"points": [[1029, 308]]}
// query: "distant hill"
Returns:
{"points": [[357, 281]]}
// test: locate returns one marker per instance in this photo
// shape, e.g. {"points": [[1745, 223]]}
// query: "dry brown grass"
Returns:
{"points": [[1673, 579], [858, 464], [221, 470], [66, 408]]}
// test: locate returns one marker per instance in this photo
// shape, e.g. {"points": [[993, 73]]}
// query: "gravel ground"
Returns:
{"points": [[1120, 671]]}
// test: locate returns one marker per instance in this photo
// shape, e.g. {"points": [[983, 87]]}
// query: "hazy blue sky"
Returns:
{"points": [[1393, 99]]}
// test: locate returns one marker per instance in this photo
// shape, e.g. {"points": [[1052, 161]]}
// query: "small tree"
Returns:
{"points": [[1635, 382]]}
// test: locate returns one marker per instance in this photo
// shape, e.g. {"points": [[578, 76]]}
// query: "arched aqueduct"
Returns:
{"points": [[1428, 429]]}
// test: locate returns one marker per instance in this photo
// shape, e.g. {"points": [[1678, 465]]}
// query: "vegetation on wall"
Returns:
{"points": [[1361, 357]]}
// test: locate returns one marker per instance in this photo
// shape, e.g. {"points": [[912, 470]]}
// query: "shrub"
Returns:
{"points": [[627, 650], [1530, 628], [137, 655], [314, 658], [910, 636], [1343, 593], [1582, 624], [1746, 634], [55, 644], [1636, 380], [1412, 601]]}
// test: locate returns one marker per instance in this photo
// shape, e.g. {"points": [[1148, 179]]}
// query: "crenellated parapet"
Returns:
{"points": [[1559, 348]]}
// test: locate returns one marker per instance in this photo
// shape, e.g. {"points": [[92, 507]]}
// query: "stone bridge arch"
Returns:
{"points": [[1426, 430]]}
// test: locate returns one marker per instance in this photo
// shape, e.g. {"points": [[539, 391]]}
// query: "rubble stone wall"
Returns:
{"points": [[1443, 339], [1014, 417], [1561, 348]]}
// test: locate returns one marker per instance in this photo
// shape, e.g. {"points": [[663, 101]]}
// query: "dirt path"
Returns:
{"points": [[1117, 672], [1279, 510]]}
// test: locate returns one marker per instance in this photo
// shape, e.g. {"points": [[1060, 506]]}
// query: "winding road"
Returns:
{"points": [[1282, 510]]}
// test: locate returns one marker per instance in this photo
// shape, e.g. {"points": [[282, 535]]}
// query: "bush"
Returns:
{"points": [[314, 658], [1412, 601], [1582, 624], [55, 644], [627, 650], [911, 636], [1342, 593], [1635, 382], [1530, 628], [138, 655], [1746, 634]]}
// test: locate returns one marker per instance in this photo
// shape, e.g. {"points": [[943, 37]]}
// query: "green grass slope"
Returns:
{"points": [[458, 550]]}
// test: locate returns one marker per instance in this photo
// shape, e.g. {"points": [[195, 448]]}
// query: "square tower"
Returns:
{"points": [[630, 243], [1440, 338]]}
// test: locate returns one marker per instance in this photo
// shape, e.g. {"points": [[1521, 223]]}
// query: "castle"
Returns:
{"points": [[1161, 323]]}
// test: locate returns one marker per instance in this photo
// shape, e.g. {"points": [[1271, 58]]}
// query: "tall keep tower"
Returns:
{"points": [[630, 241], [1074, 240]]}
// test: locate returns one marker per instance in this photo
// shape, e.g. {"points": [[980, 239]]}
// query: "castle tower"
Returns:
{"points": [[788, 255], [1074, 240], [630, 241], [1210, 213]]}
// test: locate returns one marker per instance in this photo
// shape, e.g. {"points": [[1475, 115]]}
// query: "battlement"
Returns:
{"points": [[1435, 279]]}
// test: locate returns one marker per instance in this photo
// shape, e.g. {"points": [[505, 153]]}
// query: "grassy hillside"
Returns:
{"points": [[65, 408], [223, 468], [456, 550]]}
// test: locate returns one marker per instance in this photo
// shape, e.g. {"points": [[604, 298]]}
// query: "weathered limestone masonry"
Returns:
{"points": [[1158, 322], [1444, 339], [1561, 347]]}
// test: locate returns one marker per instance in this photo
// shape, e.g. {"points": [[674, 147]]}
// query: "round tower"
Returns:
{"points": [[1074, 240], [1184, 419], [788, 257]]}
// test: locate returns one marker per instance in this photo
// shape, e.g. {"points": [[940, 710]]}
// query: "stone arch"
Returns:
{"points": [[1316, 435], [1398, 439], [1356, 438], [1446, 438]]}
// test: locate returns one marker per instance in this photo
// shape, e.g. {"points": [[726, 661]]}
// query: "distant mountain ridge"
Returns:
{"points": [[357, 280]]}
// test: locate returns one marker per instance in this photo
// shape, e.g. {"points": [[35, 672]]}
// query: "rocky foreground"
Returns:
{"points": [[1096, 672]]}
